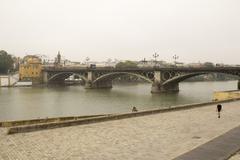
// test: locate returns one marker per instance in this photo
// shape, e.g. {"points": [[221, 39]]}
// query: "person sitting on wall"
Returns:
{"points": [[134, 109]]}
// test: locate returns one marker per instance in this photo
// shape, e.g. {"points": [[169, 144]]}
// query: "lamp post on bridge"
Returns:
{"points": [[155, 55], [175, 57], [87, 59], [143, 62]]}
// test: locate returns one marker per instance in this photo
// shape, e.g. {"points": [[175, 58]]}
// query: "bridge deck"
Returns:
{"points": [[186, 69]]}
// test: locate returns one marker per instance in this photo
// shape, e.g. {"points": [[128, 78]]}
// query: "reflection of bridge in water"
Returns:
{"points": [[162, 79]]}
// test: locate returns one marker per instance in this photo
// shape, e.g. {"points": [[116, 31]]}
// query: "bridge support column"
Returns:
{"points": [[101, 84], [45, 77], [157, 86]]}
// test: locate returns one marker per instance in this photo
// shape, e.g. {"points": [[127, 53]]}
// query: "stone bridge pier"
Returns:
{"points": [[158, 85], [91, 84]]}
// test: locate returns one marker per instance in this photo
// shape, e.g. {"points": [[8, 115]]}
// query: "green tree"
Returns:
{"points": [[6, 62], [126, 64]]}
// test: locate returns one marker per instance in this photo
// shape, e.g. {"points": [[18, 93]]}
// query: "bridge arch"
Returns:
{"points": [[180, 78], [60, 77], [113, 75]]}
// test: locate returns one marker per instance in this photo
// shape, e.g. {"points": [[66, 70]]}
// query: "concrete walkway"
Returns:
{"points": [[235, 157], [162, 136], [220, 148]]}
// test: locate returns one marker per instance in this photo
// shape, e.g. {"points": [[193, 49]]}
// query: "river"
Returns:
{"points": [[35, 102]]}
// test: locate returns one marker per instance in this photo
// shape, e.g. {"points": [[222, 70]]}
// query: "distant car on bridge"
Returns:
{"points": [[92, 66], [220, 65]]}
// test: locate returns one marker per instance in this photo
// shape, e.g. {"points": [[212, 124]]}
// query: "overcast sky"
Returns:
{"points": [[195, 30]]}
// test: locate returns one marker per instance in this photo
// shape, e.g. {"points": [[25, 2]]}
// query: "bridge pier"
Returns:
{"points": [[45, 77], [101, 84], [158, 88]]}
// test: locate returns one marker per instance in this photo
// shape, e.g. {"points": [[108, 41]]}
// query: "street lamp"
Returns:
{"points": [[144, 61], [175, 57], [155, 55], [87, 59]]}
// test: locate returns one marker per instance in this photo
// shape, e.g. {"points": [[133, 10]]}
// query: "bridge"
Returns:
{"points": [[162, 79]]}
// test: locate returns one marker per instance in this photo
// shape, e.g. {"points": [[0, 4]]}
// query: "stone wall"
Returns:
{"points": [[8, 80], [224, 95], [36, 127]]}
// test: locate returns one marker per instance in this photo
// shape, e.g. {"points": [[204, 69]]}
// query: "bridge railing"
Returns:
{"points": [[200, 69]]}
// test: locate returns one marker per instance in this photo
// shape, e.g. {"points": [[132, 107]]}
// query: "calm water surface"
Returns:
{"points": [[28, 103]]}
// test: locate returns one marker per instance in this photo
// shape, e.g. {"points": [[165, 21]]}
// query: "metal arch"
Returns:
{"points": [[65, 75], [114, 75], [164, 74], [180, 78]]}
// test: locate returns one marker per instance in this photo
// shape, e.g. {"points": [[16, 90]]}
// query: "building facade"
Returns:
{"points": [[30, 68]]}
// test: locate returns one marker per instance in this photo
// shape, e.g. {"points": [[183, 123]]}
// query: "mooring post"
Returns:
{"points": [[239, 84]]}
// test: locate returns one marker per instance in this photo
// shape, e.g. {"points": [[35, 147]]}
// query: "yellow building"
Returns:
{"points": [[30, 68]]}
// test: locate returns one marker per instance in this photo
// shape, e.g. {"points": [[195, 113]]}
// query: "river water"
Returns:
{"points": [[34, 102]]}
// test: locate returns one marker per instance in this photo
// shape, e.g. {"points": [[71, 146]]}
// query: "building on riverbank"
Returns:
{"points": [[30, 69]]}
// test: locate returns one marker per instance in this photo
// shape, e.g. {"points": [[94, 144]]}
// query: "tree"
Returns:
{"points": [[6, 62], [126, 64]]}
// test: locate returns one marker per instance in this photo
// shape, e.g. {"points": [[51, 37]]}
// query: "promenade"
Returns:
{"points": [[161, 136]]}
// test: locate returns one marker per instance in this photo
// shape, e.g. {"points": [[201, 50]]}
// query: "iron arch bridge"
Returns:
{"points": [[162, 79]]}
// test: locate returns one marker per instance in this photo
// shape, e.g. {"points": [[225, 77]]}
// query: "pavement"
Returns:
{"points": [[161, 136], [235, 157], [220, 148]]}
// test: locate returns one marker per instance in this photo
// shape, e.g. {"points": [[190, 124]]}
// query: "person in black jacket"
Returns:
{"points": [[219, 108]]}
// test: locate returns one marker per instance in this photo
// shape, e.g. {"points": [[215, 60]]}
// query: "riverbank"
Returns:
{"points": [[50, 123], [158, 136]]}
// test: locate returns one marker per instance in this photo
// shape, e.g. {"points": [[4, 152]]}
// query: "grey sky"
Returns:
{"points": [[196, 30]]}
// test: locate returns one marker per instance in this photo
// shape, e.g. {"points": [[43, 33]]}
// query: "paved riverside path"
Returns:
{"points": [[220, 148], [161, 136], [235, 157]]}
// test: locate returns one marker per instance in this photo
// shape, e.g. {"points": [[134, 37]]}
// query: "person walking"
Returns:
{"points": [[219, 108]]}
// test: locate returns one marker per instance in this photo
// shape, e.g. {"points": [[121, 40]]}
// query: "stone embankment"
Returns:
{"points": [[45, 120], [8, 80], [41, 124], [224, 95], [162, 136]]}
